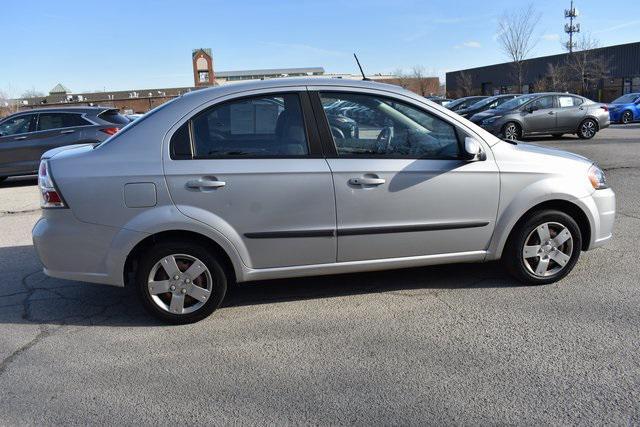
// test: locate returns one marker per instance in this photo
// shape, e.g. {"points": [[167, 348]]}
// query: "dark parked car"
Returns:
{"points": [[545, 113], [625, 109], [486, 104], [461, 103], [26, 135], [439, 100]]}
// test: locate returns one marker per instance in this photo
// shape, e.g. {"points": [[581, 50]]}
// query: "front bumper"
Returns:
{"points": [[602, 205]]}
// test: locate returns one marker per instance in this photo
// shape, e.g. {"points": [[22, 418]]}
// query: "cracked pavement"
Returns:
{"points": [[458, 344]]}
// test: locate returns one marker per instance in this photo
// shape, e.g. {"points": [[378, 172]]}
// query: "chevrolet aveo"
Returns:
{"points": [[300, 177]]}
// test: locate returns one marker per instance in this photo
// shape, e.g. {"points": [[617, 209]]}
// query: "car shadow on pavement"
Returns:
{"points": [[27, 296], [22, 181]]}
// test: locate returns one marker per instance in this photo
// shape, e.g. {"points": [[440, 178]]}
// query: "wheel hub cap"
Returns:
{"points": [[180, 284], [548, 249]]}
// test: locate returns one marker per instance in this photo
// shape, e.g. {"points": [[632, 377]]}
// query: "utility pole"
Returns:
{"points": [[571, 28]]}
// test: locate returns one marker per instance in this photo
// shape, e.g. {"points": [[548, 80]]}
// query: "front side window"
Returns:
{"points": [[17, 125], [542, 103], [367, 125], [48, 121], [264, 126]]}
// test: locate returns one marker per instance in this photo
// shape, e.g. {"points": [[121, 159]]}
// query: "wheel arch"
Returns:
{"points": [[175, 235], [566, 206]]}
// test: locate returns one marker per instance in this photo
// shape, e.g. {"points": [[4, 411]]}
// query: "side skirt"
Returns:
{"points": [[360, 266]]}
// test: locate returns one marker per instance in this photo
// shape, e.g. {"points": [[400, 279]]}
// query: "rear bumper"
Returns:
{"points": [[75, 250]]}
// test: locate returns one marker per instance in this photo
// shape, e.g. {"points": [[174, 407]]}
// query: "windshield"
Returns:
{"points": [[627, 99], [516, 102], [455, 103]]}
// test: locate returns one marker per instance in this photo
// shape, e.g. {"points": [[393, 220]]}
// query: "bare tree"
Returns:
{"points": [[425, 85], [32, 93], [6, 106], [402, 79], [587, 66], [516, 36], [464, 83]]}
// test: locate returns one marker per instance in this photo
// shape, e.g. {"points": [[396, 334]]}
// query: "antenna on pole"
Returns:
{"points": [[360, 66], [571, 28]]}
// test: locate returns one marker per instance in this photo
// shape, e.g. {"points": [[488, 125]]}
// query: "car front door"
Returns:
{"points": [[569, 113], [540, 115], [15, 145], [253, 169], [401, 186]]}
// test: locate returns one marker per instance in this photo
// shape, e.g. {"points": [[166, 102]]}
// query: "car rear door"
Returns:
{"points": [[16, 134], [401, 187], [569, 113], [252, 168], [542, 118]]}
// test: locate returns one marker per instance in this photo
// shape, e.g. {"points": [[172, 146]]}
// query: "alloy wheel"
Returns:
{"points": [[548, 249], [626, 117], [511, 131], [180, 284], [588, 129]]}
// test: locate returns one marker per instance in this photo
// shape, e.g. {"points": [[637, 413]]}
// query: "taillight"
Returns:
{"points": [[605, 107], [49, 196], [110, 131]]}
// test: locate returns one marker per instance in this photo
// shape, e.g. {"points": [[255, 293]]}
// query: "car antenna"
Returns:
{"points": [[360, 66]]}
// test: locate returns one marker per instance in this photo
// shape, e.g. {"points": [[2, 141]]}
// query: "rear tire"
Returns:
{"points": [[587, 129], [627, 117], [539, 251], [180, 281]]}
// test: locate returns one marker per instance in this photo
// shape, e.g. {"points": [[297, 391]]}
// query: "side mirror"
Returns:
{"points": [[533, 108], [473, 149]]}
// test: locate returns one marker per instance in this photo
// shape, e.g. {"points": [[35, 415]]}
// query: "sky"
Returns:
{"points": [[90, 45]]}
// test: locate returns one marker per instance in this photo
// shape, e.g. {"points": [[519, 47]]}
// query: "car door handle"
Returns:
{"points": [[205, 184], [366, 181], [20, 137], [68, 131]]}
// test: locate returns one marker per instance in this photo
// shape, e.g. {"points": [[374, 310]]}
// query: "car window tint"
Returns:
{"points": [[264, 126], [48, 121], [544, 102], [17, 125], [181, 143], [366, 125]]}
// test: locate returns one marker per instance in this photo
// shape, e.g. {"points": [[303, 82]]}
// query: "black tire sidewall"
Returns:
{"points": [[518, 130], [154, 254], [626, 114], [513, 259], [581, 135]]}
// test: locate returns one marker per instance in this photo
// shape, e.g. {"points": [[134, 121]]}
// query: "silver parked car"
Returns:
{"points": [[252, 181], [545, 114]]}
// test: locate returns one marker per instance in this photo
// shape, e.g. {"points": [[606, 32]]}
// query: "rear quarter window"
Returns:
{"points": [[114, 117]]}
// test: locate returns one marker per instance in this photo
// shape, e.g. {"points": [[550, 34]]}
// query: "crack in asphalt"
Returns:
{"points": [[45, 330], [26, 211]]}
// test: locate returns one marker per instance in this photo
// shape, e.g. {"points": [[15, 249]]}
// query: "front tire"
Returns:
{"points": [[543, 248], [587, 129], [627, 117], [180, 282], [512, 131]]}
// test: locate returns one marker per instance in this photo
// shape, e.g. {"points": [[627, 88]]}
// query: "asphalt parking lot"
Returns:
{"points": [[457, 344]]}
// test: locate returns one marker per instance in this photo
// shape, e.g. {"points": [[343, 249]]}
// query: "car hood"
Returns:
{"points": [[540, 156], [55, 151]]}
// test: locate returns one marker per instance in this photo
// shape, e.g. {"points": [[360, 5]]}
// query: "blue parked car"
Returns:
{"points": [[625, 109]]}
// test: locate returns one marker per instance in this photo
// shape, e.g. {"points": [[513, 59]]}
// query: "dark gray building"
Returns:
{"points": [[611, 71]]}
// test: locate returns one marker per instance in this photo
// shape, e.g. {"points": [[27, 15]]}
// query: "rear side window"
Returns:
{"points": [[114, 117], [181, 143], [18, 125], [48, 121], [569, 101], [263, 126]]}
